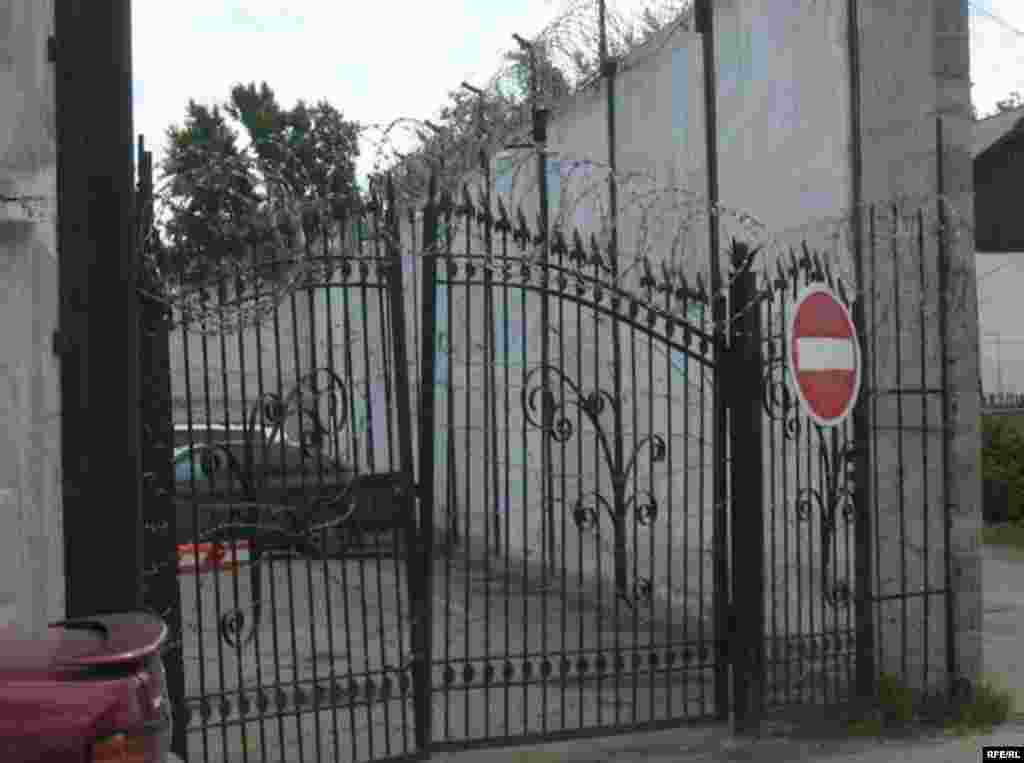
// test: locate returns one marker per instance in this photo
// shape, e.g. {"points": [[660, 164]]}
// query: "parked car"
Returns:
{"points": [[221, 480], [90, 690]]}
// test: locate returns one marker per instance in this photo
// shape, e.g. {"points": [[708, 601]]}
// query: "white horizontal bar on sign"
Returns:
{"points": [[825, 354]]}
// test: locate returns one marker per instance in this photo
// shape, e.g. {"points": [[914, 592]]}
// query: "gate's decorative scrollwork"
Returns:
{"points": [[318, 403], [833, 501], [549, 413], [322, 386], [779, 401]]}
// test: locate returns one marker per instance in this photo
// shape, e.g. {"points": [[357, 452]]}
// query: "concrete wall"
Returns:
{"points": [[1000, 284], [915, 68], [219, 377], [784, 142], [784, 121], [31, 540], [1000, 271]]}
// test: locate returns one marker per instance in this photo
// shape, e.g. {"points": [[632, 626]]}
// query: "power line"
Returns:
{"points": [[998, 19]]}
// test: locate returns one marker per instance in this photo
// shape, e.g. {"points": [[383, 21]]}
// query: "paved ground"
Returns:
{"points": [[1004, 621], [714, 744], [1003, 581], [344, 626]]}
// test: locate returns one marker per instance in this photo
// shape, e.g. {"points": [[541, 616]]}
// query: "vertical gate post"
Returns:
{"points": [[704, 19], [160, 591], [863, 489], [404, 492], [865, 669], [421, 556], [745, 390], [160, 573]]}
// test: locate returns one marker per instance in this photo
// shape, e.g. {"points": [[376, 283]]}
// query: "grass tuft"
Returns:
{"points": [[987, 708], [1011, 534], [899, 708], [896, 701]]}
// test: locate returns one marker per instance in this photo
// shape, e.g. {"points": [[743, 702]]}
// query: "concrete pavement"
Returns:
{"points": [[704, 745], [1003, 580]]}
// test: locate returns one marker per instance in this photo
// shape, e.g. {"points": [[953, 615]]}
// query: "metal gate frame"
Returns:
{"points": [[438, 266], [745, 652]]}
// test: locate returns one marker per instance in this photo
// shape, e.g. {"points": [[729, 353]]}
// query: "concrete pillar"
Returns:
{"points": [[31, 538], [914, 69], [952, 72]]}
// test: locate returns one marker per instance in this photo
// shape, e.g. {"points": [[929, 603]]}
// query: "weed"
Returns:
{"points": [[1011, 534], [870, 726], [898, 707], [986, 708], [895, 701]]}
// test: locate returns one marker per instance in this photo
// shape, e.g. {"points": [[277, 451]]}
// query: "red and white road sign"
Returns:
{"points": [[207, 557], [823, 356]]}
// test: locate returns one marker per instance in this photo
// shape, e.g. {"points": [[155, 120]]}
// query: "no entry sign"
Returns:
{"points": [[823, 356]]}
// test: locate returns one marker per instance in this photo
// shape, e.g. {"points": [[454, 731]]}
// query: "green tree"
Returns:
{"points": [[315, 147], [1002, 457], [211, 187], [229, 205]]}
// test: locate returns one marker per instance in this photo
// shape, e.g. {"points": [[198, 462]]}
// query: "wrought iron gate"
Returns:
{"points": [[568, 429], [445, 492]]}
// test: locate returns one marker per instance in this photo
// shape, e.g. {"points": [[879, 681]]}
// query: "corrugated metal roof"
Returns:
{"points": [[988, 131]]}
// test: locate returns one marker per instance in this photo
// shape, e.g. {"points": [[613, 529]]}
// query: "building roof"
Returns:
{"points": [[988, 131]]}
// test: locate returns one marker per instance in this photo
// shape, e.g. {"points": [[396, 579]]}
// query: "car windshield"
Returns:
{"points": [[185, 466]]}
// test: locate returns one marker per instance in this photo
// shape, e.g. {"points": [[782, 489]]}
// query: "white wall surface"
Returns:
{"points": [[1001, 322]]}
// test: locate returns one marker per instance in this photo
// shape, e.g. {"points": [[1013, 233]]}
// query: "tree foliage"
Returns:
{"points": [[1003, 459], [249, 180]]}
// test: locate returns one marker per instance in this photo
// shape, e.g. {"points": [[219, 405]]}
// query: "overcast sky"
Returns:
{"points": [[378, 60]]}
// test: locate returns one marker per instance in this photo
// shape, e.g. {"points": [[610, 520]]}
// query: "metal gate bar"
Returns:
{"points": [[463, 628], [490, 664]]}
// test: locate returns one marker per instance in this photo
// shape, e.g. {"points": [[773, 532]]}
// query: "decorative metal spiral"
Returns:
{"points": [[779, 401], [835, 500], [645, 507], [586, 512], [656, 443], [550, 414], [232, 624], [808, 499], [303, 402], [542, 409], [643, 590], [273, 408], [212, 460]]}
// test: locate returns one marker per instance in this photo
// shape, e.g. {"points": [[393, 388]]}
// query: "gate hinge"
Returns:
{"points": [[51, 49], [60, 344]]}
